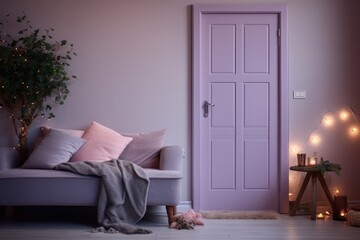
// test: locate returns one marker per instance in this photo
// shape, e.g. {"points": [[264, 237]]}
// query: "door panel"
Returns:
{"points": [[223, 164], [256, 160], [256, 105], [222, 48], [222, 136], [223, 113], [239, 75], [256, 48]]}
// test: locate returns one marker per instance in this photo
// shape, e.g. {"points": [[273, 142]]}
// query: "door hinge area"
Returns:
{"points": [[279, 32]]}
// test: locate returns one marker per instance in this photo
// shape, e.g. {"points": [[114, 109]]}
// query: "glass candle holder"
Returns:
{"points": [[340, 208], [312, 161], [301, 158]]}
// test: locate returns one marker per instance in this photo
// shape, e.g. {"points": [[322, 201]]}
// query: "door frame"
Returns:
{"points": [[281, 11]]}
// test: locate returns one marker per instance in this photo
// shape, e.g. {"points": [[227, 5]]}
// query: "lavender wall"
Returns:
{"points": [[134, 65]]}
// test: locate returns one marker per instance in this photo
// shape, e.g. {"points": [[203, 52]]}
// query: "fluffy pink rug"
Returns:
{"points": [[225, 214]]}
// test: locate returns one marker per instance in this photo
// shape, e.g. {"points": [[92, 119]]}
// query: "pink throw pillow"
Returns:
{"points": [[144, 149], [103, 144]]}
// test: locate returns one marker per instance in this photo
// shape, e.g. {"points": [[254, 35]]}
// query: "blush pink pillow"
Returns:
{"points": [[102, 144], [144, 149]]}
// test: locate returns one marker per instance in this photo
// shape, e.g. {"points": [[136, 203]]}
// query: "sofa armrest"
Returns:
{"points": [[172, 157], [9, 158]]}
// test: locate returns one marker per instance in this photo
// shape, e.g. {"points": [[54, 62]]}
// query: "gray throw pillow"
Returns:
{"points": [[144, 149], [57, 147]]}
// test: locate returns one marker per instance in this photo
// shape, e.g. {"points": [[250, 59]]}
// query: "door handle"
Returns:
{"points": [[206, 108]]}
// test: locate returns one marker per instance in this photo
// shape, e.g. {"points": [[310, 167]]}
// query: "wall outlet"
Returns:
{"points": [[299, 94]]}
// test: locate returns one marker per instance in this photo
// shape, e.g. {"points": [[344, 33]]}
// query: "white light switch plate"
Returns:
{"points": [[299, 94]]}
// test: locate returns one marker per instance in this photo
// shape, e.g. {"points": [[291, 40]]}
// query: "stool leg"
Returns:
{"points": [[326, 190], [300, 194], [313, 196]]}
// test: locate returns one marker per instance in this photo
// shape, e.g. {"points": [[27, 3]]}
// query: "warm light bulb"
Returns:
{"points": [[344, 115], [315, 139], [354, 131], [294, 149], [328, 121], [337, 191]]}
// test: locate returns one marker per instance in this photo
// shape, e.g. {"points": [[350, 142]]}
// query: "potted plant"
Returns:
{"points": [[33, 75]]}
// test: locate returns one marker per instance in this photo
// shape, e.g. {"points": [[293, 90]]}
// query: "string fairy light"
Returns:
{"points": [[354, 131], [315, 139], [328, 119], [344, 115]]}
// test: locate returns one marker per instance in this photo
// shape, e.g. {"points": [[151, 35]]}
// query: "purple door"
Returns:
{"points": [[239, 82]]}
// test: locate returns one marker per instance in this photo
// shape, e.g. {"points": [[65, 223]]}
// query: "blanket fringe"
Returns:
{"points": [[113, 231]]}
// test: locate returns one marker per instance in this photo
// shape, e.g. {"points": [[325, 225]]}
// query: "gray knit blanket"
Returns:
{"points": [[123, 194]]}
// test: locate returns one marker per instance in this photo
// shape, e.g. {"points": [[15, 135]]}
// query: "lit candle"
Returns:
{"points": [[312, 161], [342, 213], [321, 216]]}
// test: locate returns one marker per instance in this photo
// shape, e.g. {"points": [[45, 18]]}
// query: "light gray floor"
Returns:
{"points": [[298, 227]]}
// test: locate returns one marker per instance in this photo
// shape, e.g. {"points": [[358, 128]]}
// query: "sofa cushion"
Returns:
{"points": [[144, 149], [102, 144], [57, 147], [44, 130], [23, 187], [28, 187]]}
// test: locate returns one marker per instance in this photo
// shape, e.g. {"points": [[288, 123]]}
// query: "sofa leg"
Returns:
{"points": [[171, 212], [9, 212]]}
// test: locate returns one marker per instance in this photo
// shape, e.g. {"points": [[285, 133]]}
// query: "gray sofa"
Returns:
{"points": [[44, 187]]}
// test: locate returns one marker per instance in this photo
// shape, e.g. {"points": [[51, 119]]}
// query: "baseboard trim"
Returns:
{"points": [[161, 210]]}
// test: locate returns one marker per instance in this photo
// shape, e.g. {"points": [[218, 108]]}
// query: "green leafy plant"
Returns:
{"points": [[326, 165], [33, 74]]}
